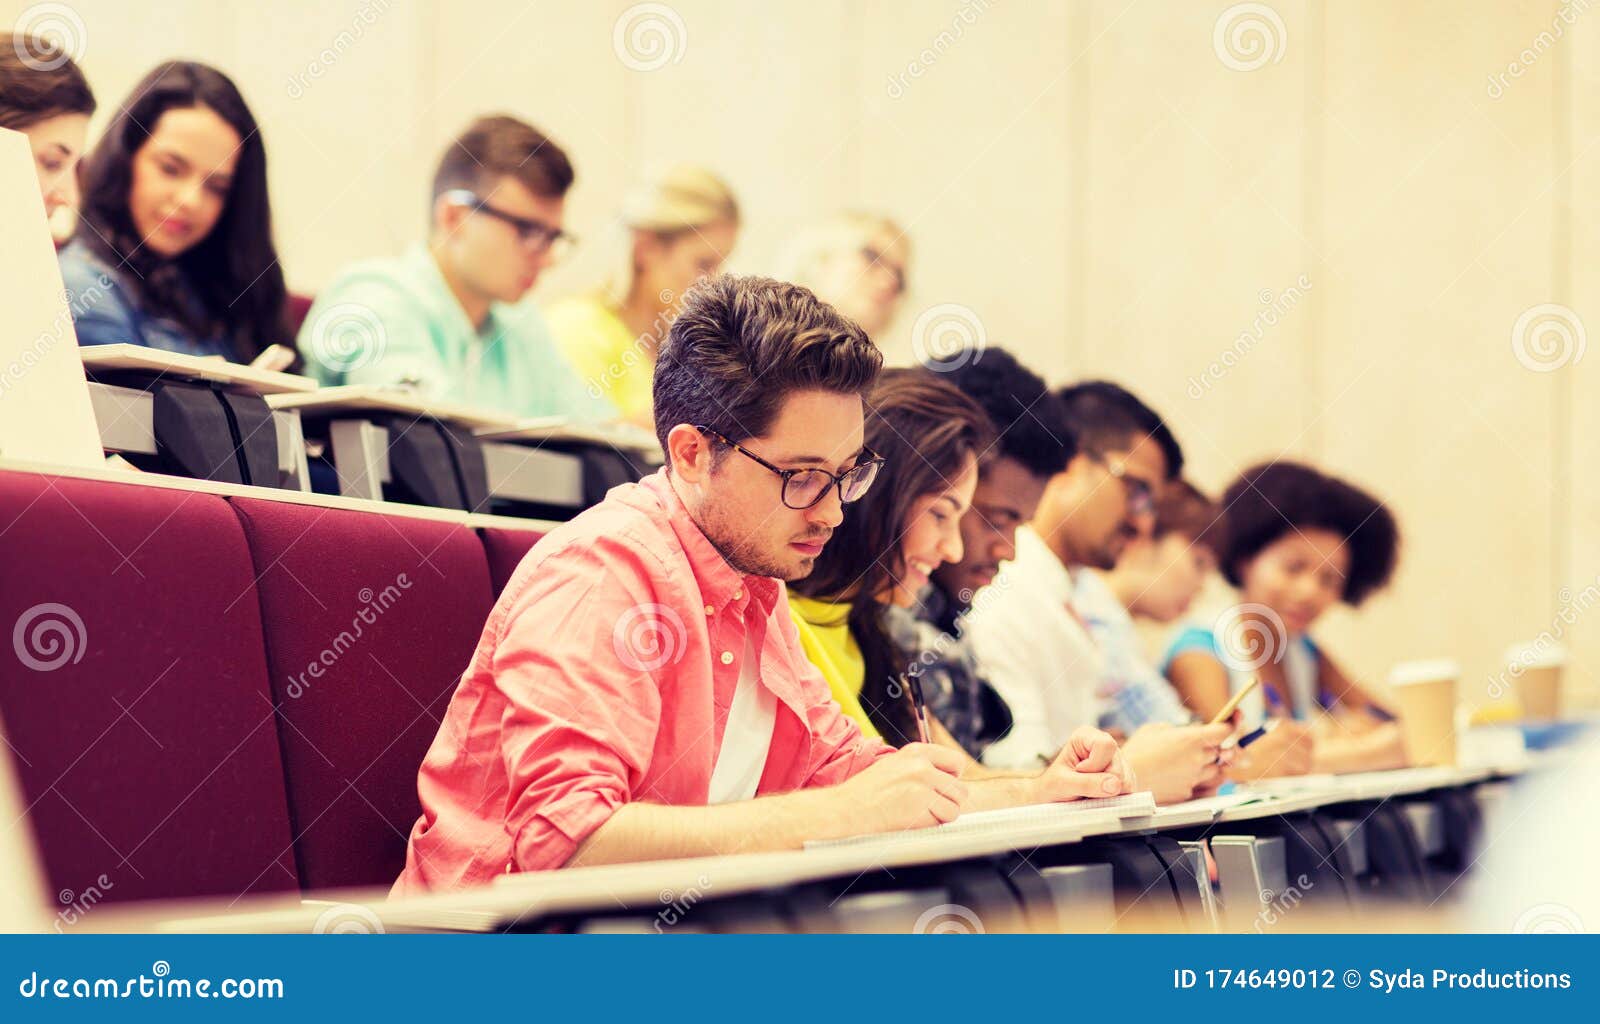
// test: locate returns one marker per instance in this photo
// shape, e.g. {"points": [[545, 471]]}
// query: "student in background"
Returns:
{"points": [[857, 262], [444, 319], [679, 227], [1156, 577], [930, 437], [1033, 445], [176, 227], [44, 95], [1297, 541], [1033, 646], [639, 691]]}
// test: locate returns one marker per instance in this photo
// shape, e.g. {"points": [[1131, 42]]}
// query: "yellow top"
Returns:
{"points": [[826, 639], [606, 355]]}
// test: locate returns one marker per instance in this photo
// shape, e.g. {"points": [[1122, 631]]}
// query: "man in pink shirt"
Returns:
{"points": [[639, 691]]}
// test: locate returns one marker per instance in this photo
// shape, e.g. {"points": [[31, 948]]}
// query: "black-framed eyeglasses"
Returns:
{"points": [[1141, 495], [803, 488], [535, 235]]}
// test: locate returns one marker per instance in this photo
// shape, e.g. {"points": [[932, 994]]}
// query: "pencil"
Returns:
{"points": [[1233, 702]]}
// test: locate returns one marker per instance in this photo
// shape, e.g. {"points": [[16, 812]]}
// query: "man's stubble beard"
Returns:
{"points": [[745, 555]]}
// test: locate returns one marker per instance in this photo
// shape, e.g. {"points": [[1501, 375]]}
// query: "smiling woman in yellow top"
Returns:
{"points": [[678, 226], [930, 436]]}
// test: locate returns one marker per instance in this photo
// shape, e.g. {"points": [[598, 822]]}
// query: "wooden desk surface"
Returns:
{"points": [[356, 398], [102, 359]]}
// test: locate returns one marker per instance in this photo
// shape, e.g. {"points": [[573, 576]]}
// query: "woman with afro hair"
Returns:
{"points": [[1296, 542]]}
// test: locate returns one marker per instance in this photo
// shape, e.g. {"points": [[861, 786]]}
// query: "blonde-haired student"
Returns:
{"points": [[679, 225], [855, 261]]}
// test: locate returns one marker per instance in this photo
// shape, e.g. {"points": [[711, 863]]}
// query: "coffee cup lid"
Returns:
{"points": [[1431, 670], [1534, 654]]}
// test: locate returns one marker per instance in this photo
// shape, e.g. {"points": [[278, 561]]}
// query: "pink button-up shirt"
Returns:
{"points": [[604, 676]]}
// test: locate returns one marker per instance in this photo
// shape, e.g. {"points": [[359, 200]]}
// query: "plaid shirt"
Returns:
{"points": [[1134, 692], [930, 637]]}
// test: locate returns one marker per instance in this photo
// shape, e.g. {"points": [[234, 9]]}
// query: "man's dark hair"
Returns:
{"points": [[1184, 509], [1030, 420], [1270, 501], [501, 146], [740, 345], [1103, 415]]}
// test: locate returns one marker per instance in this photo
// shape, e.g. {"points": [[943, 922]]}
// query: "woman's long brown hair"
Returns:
{"points": [[925, 429]]}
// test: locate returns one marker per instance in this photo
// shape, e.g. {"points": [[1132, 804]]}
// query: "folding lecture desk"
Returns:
{"points": [[122, 380], [521, 461], [856, 887]]}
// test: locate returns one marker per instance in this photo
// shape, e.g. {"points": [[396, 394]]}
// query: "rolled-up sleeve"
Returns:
{"points": [[580, 718]]}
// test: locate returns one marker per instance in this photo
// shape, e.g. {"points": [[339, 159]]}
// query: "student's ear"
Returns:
{"points": [[689, 453], [647, 247], [447, 216]]}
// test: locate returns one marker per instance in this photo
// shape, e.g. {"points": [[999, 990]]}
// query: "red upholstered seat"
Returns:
{"points": [[370, 621], [505, 549], [134, 692]]}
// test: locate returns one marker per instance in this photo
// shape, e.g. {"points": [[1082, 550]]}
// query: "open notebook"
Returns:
{"points": [[1010, 820]]}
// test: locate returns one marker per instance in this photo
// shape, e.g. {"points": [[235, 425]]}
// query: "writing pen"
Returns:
{"points": [[915, 686]]}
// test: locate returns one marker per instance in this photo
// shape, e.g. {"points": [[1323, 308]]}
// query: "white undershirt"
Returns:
{"points": [[747, 736]]}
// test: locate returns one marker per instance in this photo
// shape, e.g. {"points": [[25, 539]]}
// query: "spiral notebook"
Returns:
{"points": [[1012, 819]]}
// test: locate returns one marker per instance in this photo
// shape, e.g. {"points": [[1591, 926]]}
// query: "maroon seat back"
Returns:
{"points": [[370, 620], [505, 549], [135, 692]]}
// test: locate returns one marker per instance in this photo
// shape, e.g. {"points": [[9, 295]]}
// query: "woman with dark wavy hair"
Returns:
{"points": [[931, 438], [176, 227]]}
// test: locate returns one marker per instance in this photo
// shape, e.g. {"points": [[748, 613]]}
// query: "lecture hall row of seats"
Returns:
{"points": [[245, 687]]}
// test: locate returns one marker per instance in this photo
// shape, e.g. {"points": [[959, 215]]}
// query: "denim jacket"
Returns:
{"points": [[105, 312]]}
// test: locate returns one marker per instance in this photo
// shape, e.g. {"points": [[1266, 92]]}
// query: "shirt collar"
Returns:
{"points": [[1038, 562], [720, 583], [444, 300], [1096, 601]]}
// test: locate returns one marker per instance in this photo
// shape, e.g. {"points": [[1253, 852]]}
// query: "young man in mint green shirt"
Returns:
{"points": [[444, 320]]}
